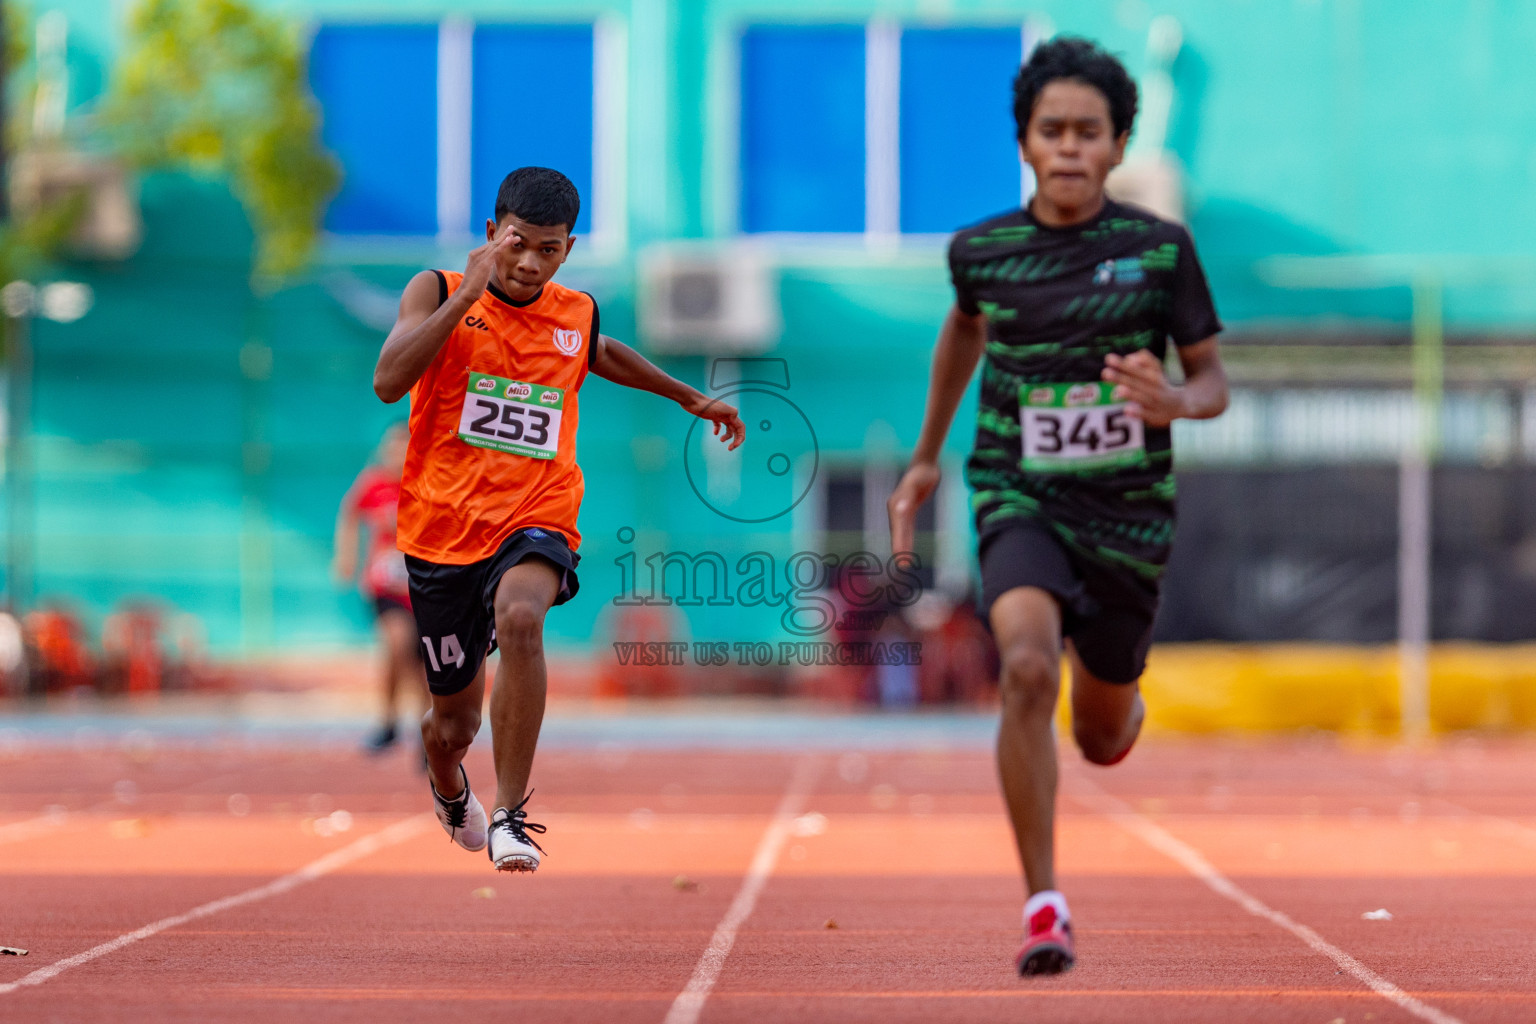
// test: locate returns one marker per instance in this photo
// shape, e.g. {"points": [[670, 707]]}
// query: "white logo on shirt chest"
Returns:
{"points": [[568, 342]]}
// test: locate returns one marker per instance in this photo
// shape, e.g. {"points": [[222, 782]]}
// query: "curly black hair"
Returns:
{"points": [[540, 196], [1080, 60]]}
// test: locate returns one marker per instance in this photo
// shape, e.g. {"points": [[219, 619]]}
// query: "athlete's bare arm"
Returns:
{"points": [[962, 339], [1139, 379], [616, 361], [422, 325], [344, 559]]}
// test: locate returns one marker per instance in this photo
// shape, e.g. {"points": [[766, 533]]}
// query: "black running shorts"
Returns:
{"points": [[1106, 612], [384, 604], [455, 605]]}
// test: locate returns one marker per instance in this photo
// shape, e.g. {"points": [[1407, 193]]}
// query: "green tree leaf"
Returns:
{"points": [[217, 87]]}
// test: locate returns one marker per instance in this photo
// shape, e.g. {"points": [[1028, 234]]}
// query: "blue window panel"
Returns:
{"points": [[377, 85], [532, 106], [802, 128], [959, 158]]}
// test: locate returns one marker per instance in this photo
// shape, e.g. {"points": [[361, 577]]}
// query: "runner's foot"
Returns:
{"points": [[1048, 946], [511, 848], [381, 740], [462, 817]]}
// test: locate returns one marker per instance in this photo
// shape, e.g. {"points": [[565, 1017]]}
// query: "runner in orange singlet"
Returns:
{"points": [[493, 359]]}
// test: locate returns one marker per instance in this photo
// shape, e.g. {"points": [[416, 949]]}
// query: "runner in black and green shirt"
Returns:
{"points": [[1073, 300]]}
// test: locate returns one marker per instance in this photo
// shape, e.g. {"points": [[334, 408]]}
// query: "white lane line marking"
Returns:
{"points": [[396, 833], [16, 831], [1194, 862], [690, 1002]]}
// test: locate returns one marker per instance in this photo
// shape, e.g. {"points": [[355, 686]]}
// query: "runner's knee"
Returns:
{"points": [[1105, 730], [454, 730], [1030, 679], [519, 626], [1098, 744]]}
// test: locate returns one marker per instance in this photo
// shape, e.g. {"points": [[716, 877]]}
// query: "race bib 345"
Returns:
{"points": [[1077, 428]]}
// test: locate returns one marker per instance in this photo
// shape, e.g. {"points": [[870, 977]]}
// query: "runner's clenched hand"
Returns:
{"points": [[480, 268], [917, 486], [1140, 381]]}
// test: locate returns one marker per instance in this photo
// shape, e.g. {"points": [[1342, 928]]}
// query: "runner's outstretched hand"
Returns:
{"points": [[1140, 381], [726, 419], [917, 486], [480, 268]]}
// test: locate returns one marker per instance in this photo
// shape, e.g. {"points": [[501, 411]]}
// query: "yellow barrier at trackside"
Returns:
{"points": [[1262, 688]]}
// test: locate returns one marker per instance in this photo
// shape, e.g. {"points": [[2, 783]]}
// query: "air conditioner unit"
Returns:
{"points": [[707, 300], [109, 227]]}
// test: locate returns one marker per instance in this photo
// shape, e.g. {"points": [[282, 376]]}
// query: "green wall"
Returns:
{"points": [[220, 428]]}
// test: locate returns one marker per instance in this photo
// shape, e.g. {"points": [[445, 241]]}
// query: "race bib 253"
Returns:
{"points": [[512, 416]]}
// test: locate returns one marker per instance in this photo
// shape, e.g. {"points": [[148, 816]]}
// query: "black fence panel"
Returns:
{"points": [[1310, 553]]}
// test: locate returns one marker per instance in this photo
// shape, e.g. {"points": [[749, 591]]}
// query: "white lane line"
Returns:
{"points": [[690, 1002], [16, 831], [1195, 863], [396, 833]]}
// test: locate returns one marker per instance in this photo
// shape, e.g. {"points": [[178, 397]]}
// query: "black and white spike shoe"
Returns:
{"points": [[511, 848], [462, 817]]}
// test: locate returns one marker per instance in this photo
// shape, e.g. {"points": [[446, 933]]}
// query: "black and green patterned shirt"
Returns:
{"points": [[1057, 301]]}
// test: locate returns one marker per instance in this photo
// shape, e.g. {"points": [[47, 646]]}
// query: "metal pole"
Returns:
{"points": [[18, 464], [1413, 550], [1415, 518]]}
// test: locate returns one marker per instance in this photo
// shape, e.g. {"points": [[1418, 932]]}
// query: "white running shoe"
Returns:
{"points": [[462, 817], [511, 848]]}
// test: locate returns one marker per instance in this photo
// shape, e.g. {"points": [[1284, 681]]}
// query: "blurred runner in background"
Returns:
{"points": [[372, 502]]}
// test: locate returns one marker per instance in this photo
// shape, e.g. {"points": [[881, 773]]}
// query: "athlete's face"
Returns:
{"points": [[532, 259], [1071, 145]]}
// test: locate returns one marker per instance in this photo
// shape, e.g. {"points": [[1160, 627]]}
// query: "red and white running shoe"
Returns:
{"points": [[1048, 947]]}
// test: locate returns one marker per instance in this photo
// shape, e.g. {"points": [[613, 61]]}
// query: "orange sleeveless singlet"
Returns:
{"points": [[493, 427]]}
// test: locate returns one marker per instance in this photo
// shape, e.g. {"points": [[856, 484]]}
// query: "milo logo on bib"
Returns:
{"points": [[1081, 394], [1077, 428], [512, 416]]}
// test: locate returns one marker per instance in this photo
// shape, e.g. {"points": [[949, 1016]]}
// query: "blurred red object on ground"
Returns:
{"points": [[59, 655], [133, 656], [644, 626]]}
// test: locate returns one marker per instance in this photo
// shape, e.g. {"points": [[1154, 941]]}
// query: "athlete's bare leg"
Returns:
{"points": [[447, 730], [1106, 717], [397, 632], [523, 597], [1027, 624]]}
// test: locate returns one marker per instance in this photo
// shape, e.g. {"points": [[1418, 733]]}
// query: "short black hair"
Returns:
{"points": [[540, 196], [1080, 60]]}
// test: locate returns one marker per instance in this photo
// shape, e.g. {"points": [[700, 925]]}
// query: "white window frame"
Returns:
{"points": [[882, 235], [607, 202]]}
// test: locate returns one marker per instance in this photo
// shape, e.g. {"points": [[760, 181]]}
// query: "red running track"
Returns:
{"points": [[1209, 881]]}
